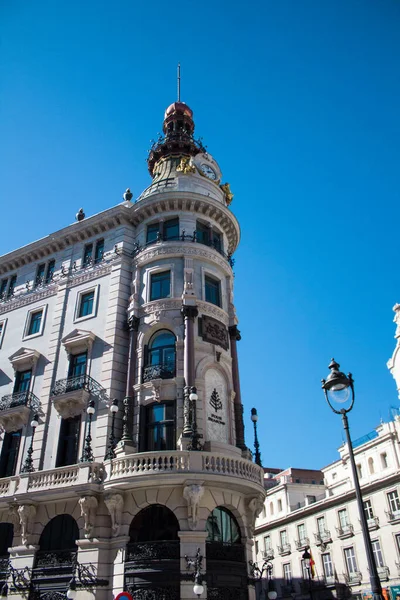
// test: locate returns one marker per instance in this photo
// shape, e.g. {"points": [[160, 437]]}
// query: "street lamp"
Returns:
{"points": [[28, 464], [339, 392], [87, 455], [71, 592], [257, 455], [111, 440], [196, 563], [307, 563]]}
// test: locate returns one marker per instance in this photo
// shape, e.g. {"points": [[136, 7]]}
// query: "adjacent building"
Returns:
{"points": [[122, 448]]}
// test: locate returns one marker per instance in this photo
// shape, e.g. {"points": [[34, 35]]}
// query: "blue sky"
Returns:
{"points": [[299, 104]]}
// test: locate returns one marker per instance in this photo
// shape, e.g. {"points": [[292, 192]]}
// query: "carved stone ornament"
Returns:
{"points": [[88, 506], [193, 493], [186, 166], [26, 513], [79, 340], [14, 418], [71, 404], [254, 508], [24, 358], [226, 188], [13, 517], [214, 331], [115, 504]]}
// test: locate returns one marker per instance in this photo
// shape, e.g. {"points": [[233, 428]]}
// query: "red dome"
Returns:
{"points": [[178, 108]]}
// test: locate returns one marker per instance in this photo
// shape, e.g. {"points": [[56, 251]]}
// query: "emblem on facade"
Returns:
{"points": [[186, 166], [226, 188], [215, 401], [214, 331]]}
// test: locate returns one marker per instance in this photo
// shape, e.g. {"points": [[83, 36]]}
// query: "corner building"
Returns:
{"points": [[123, 446]]}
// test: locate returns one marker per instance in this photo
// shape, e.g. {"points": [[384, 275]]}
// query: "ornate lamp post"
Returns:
{"points": [[28, 464], [71, 592], [339, 392], [111, 440], [87, 455], [257, 455], [194, 443], [196, 562], [307, 562]]}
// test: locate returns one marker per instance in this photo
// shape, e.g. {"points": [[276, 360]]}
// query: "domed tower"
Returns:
{"points": [[183, 432]]}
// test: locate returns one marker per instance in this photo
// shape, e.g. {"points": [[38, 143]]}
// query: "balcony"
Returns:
{"points": [[302, 543], [345, 531], [383, 573], [268, 554], [398, 568], [393, 517], [162, 371], [330, 580], [284, 550], [15, 410], [373, 523], [71, 395], [323, 537], [353, 578]]}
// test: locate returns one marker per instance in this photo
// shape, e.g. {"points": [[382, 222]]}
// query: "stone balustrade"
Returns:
{"points": [[60, 477]]}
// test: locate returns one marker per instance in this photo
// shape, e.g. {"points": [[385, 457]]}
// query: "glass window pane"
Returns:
{"points": [[87, 256], [160, 285], [35, 321], [202, 233], [50, 271], [78, 365], [86, 305], [152, 233], [98, 257], [40, 274], [22, 381], [213, 290], [171, 229]]}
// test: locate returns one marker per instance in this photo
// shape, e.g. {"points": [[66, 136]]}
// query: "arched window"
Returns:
{"points": [[154, 523], [271, 508], [160, 356], [60, 533], [6, 541], [371, 465], [222, 527]]}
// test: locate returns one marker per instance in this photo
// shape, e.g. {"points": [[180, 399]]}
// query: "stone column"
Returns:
{"points": [[189, 313], [235, 337], [190, 542], [133, 324]]}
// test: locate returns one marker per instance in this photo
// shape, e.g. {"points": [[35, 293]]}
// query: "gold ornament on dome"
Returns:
{"points": [[186, 166], [226, 188]]}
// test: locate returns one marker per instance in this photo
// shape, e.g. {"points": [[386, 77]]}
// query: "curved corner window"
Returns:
{"points": [[222, 527], [160, 360]]}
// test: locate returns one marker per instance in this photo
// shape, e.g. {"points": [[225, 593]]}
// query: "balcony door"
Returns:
{"points": [[68, 444], [9, 453]]}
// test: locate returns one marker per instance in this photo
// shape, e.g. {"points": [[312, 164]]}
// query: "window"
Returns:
{"points": [[377, 551], [40, 274], [359, 471], [159, 427], [99, 252], [77, 365], [88, 255], [371, 465], [369, 513], [160, 356], [334, 475], [50, 270], [222, 527], [271, 508], [327, 565], [304, 570], [287, 573], [164, 230], [202, 233], [153, 233], [171, 229], [350, 558], [343, 518], [160, 285], [267, 543], [394, 501], [384, 460], [86, 302], [35, 321], [311, 499], [216, 240], [68, 444], [3, 288], [279, 505], [397, 538], [283, 537], [256, 546], [2, 330], [212, 290], [11, 287], [301, 532], [321, 525], [9, 453], [22, 381]]}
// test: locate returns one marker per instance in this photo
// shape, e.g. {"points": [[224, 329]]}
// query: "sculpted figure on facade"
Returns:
{"points": [[26, 514], [254, 508], [115, 504], [193, 494], [88, 506]]}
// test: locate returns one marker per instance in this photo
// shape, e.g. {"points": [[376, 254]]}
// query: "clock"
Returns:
{"points": [[208, 171]]}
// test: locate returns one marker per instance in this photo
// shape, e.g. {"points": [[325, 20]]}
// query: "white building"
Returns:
{"points": [[134, 303], [303, 510]]}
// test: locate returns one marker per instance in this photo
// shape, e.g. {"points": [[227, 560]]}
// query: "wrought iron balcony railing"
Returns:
{"points": [[268, 554], [383, 573], [26, 398], [284, 549], [354, 578], [80, 382], [345, 531], [55, 559], [302, 543], [393, 516], [323, 537], [147, 551], [162, 371], [222, 551]]}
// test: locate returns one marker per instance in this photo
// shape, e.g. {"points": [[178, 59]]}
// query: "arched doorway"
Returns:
{"points": [[152, 570], [6, 541], [225, 554], [55, 558]]}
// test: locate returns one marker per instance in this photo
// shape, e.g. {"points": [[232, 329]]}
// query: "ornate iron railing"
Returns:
{"points": [[284, 549], [26, 398], [162, 371], [154, 593], [226, 593], [302, 543], [55, 559], [180, 136], [146, 551], [268, 554], [223, 551], [323, 537], [80, 382], [345, 530], [353, 578]]}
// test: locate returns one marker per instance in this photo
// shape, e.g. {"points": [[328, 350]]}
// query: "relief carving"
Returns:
{"points": [[254, 508], [26, 513], [193, 494], [115, 504], [88, 506]]}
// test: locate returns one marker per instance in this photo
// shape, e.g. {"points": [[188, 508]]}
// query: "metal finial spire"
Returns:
{"points": [[179, 82]]}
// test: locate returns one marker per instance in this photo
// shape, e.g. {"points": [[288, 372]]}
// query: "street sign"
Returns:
{"points": [[123, 596]]}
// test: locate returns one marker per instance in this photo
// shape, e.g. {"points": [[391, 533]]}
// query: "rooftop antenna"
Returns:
{"points": [[179, 82]]}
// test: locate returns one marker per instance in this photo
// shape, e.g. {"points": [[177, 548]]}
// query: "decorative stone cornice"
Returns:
{"points": [[187, 249], [24, 358], [78, 340], [189, 311], [27, 298], [213, 311]]}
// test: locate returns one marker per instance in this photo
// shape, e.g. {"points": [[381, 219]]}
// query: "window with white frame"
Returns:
{"points": [[279, 505], [359, 471], [86, 304], [2, 330], [371, 465], [394, 501], [35, 322], [267, 543], [321, 526], [384, 460], [301, 532], [327, 565], [343, 518], [397, 540], [287, 573], [369, 513], [377, 551], [350, 559], [283, 537]]}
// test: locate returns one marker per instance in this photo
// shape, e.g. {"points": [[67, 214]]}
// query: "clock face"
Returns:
{"points": [[208, 171]]}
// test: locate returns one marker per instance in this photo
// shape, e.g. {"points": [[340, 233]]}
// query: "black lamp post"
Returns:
{"points": [[307, 562], [196, 563], [339, 391], [111, 440], [257, 455], [28, 464], [87, 455]]}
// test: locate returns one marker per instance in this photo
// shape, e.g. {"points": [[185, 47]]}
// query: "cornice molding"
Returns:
{"points": [[182, 249]]}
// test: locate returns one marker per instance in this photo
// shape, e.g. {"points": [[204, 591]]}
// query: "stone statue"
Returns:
{"points": [[226, 188], [186, 166], [127, 196], [193, 494], [254, 506], [115, 504], [26, 514], [80, 215], [88, 506]]}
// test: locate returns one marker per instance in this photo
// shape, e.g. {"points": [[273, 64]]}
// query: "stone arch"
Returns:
{"points": [[208, 362], [46, 512], [234, 503], [148, 331], [60, 533]]}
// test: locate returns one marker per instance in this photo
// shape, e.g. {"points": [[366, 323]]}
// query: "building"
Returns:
{"points": [[317, 509], [123, 440]]}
